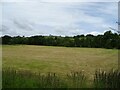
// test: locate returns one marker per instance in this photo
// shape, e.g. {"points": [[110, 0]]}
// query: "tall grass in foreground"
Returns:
{"points": [[26, 79], [109, 79], [77, 80]]}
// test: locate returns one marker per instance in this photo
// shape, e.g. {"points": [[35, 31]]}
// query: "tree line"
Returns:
{"points": [[107, 40]]}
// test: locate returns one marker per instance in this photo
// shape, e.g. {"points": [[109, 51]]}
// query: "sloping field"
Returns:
{"points": [[58, 59]]}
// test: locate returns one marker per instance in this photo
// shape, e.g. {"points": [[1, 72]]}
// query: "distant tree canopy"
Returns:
{"points": [[108, 40]]}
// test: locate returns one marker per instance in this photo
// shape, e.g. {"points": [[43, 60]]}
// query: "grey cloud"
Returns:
{"points": [[4, 28], [7, 30], [23, 25]]}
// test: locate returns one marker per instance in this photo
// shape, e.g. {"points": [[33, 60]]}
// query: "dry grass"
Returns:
{"points": [[58, 59]]}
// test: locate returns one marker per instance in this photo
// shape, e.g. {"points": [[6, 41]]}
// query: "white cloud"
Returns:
{"points": [[95, 33], [30, 18], [110, 9], [0, 19], [16, 0], [59, 1], [80, 0]]}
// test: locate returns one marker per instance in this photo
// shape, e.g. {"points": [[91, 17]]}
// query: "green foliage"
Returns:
{"points": [[77, 79], [108, 40], [109, 79], [25, 79]]}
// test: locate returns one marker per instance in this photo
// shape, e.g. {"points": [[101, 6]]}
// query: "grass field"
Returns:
{"points": [[58, 59], [71, 64]]}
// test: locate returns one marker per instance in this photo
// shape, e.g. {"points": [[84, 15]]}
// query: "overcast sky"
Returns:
{"points": [[45, 17]]}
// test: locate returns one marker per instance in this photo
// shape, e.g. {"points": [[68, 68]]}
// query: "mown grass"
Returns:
{"points": [[58, 59], [26, 79]]}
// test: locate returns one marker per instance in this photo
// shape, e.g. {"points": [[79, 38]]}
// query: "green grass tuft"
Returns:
{"points": [[109, 79]]}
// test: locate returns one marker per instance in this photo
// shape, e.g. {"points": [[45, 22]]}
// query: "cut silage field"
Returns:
{"points": [[58, 59]]}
